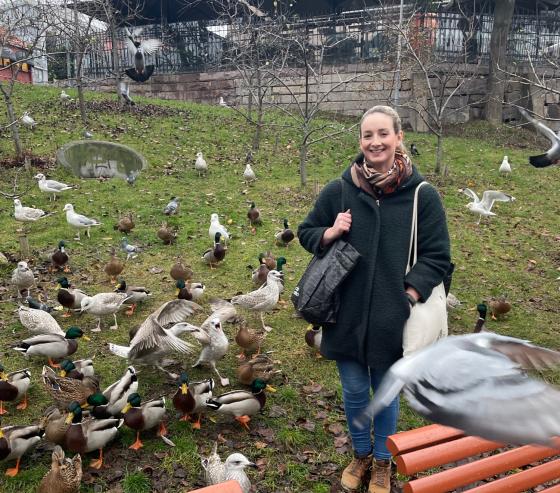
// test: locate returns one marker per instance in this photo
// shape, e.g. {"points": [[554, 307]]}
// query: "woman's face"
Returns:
{"points": [[378, 140]]}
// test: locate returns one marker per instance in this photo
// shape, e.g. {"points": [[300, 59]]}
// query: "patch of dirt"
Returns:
{"points": [[39, 162]]}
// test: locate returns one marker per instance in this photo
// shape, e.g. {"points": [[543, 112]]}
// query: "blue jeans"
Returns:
{"points": [[357, 380]]}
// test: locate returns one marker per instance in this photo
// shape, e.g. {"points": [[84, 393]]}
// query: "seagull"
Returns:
{"points": [[222, 103], [483, 207], [28, 214], [477, 383], [505, 167], [452, 302], [172, 207], [104, 304], [130, 250], [217, 472], [249, 174], [23, 278], [124, 91], [28, 121], [65, 97], [79, 221], [51, 186], [141, 72], [216, 227], [200, 164], [552, 156]]}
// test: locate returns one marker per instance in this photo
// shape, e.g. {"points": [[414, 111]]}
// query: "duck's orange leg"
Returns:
{"points": [[2, 410], [162, 430], [22, 405], [96, 464], [53, 364], [196, 424], [137, 445], [244, 421], [13, 472], [130, 311]]}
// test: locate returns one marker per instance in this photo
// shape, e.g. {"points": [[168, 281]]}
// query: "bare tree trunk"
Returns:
{"points": [[78, 53], [439, 152], [260, 111], [115, 54], [303, 162], [503, 14], [11, 119]]}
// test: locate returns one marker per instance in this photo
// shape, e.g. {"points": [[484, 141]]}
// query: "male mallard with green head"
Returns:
{"points": [[13, 386], [110, 403], [15, 441], [216, 254], [69, 298], [52, 346], [90, 435], [284, 236], [59, 259], [145, 416], [191, 398]]}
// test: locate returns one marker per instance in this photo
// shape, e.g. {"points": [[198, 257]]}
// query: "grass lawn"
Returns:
{"points": [[299, 442]]}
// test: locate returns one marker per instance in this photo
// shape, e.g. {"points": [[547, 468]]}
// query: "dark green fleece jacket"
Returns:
{"points": [[374, 307]]}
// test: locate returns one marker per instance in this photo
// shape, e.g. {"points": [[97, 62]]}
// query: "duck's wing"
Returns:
{"points": [[469, 193], [491, 196]]}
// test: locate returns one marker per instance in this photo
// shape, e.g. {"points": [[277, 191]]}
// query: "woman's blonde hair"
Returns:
{"points": [[386, 110]]}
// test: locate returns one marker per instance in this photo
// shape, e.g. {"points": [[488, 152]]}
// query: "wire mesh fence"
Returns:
{"points": [[357, 37]]}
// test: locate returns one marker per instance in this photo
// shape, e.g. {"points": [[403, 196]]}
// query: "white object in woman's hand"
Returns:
{"points": [[341, 225]]}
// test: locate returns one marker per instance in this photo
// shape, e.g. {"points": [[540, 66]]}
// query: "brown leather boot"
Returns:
{"points": [[380, 481], [354, 474]]}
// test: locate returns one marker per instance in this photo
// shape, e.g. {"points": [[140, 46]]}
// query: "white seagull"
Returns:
{"points": [[222, 103], [216, 227], [51, 186], [79, 221], [28, 214], [249, 174], [200, 164], [552, 156], [483, 207], [477, 383], [505, 167], [64, 96], [28, 121]]}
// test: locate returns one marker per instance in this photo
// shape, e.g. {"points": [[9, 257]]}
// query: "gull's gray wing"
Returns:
{"points": [[491, 196], [469, 193]]}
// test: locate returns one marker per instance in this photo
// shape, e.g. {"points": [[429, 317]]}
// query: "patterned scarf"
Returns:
{"points": [[387, 182]]}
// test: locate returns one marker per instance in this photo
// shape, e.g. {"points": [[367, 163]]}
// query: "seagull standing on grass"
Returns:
{"points": [[200, 164], [51, 186], [64, 97], [483, 207], [28, 121], [478, 383], [505, 167], [222, 103], [216, 227], [79, 221], [249, 174], [552, 156], [28, 214]]}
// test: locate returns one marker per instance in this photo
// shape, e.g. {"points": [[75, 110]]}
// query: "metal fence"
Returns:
{"points": [[364, 36]]}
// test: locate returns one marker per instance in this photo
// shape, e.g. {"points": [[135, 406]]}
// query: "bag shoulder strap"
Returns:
{"points": [[342, 194], [414, 229]]}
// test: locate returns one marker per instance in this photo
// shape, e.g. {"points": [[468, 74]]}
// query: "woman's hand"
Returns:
{"points": [[341, 225]]}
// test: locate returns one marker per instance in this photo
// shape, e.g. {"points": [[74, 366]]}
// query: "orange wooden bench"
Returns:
{"points": [[227, 487], [432, 446]]}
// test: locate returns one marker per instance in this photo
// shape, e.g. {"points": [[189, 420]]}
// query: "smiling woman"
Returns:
{"points": [[376, 298]]}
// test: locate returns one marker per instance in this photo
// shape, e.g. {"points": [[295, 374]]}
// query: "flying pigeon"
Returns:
{"points": [[141, 72], [477, 383], [51, 186], [483, 207], [552, 156], [172, 207], [505, 167], [124, 91]]}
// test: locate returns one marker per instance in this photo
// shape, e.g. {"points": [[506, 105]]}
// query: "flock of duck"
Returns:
{"points": [[86, 418]]}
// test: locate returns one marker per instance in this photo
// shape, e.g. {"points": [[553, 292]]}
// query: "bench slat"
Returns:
{"points": [[552, 489], [481, 469], [443, 453], [418, 438], [227, 487], [523, 480]]}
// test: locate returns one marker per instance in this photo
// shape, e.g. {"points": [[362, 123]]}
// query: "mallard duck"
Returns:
{"points": [[270, 260], [216, 254], [180, 272], [240, 403], [114, 267], [254, 216], [13, 386], [313, 336], [233, 469], [258, 276], [104, 304], [145, 416], [248, 340], [65, 475], [125, 224], [166, 234], [191, 398], [59, 258], [200, 164], [15, 441], [216, 227], [193, 291], [23, 279], [79, 221], [53, 346], [259, 366], [38, 321], [64, 390], [53, 422], [480, 325], [69, 298], [90, 435], [263, 299], [77, 369], [136, 294], [110, 403], [214, 344], [151, 342], [499, 306], [284, 236]]}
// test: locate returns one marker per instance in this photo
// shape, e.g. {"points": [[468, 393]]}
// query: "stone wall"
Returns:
{"points": [[367, 85]]}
